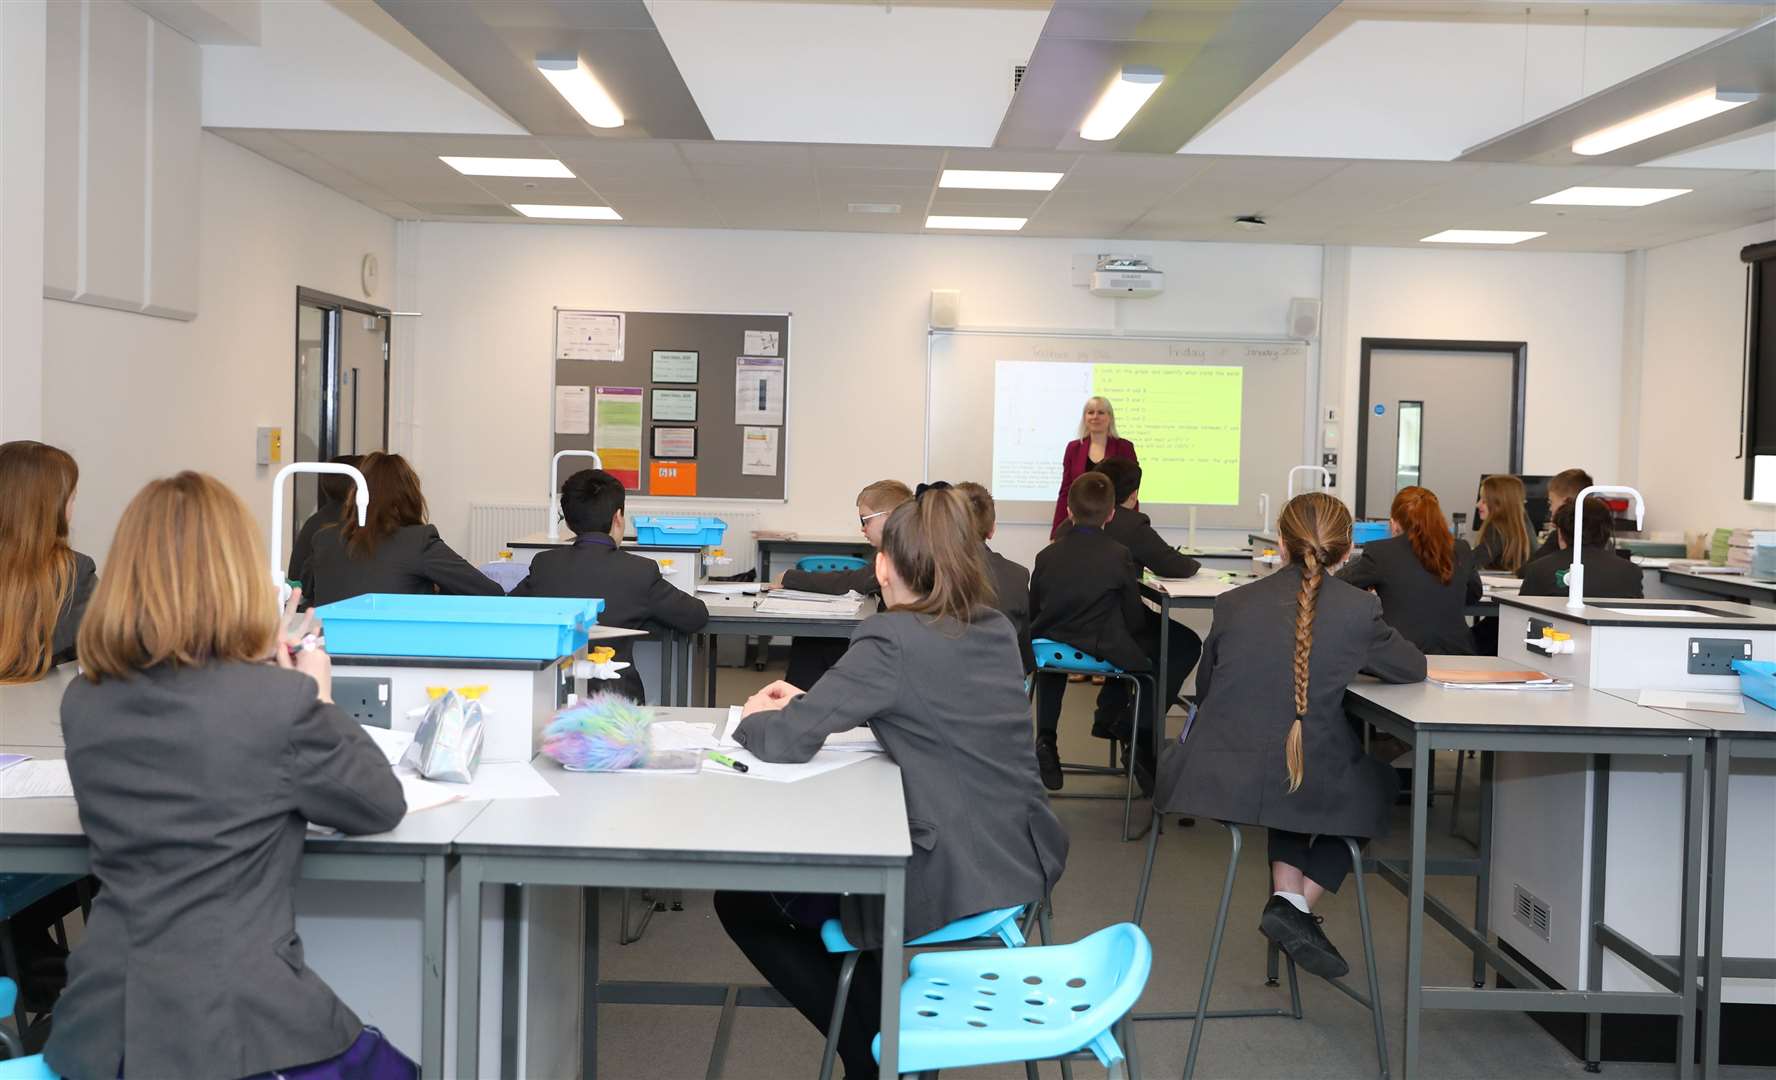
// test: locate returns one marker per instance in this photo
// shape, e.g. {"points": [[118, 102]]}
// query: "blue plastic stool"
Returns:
{"points": [[9, 998], [1001, 923], [827, 564], [990, 1007], [1058, 658], [28, 1068]]}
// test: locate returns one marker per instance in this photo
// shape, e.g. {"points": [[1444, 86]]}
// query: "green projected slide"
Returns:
{"points": [[1185, 424]]}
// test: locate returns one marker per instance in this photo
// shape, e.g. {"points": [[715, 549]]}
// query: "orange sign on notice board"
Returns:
{"points": [[672, 478]]}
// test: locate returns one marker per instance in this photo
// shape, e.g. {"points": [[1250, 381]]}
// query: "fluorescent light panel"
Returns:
{"points": [[1612, 196], [573, 80], [547, 168], [963, 221], [1120, 103], [998, 180], [1665, 118], [578, 213], [1481, 236]]}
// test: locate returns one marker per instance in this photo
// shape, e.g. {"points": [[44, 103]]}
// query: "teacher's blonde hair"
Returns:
{"points": [[1105, 403]]}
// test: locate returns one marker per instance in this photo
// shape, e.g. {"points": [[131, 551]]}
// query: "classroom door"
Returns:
{"points": [[1438, 415], [342, 376]]}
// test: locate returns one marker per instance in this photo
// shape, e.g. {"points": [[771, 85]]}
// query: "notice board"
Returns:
{"points": [[679, 405]]}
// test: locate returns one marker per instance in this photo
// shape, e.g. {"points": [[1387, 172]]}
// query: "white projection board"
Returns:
{"points": [[1214, 423]]}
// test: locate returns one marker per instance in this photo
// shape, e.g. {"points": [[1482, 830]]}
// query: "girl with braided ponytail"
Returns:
{"points": [[1270, 744]]}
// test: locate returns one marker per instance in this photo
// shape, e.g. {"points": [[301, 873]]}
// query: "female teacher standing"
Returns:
{"points": [[1097, 440]]}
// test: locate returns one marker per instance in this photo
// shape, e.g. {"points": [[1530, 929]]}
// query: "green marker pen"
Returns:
{"points": [[723, 759]]}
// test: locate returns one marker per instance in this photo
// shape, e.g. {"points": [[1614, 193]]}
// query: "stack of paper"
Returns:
{"points": [[1464, 679], [729, 588], [797, 602], [36, 780]]}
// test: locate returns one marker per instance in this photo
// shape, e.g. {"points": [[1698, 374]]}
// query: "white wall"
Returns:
{"points": [[860, 306], [22, 36], [1568, 307], [133, 398], [1693, 349]]}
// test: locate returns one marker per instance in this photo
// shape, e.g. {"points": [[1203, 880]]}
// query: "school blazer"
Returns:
{"points": [[1011, 591], [414, 559], [1489, 553], [1606, 574], [1084, 592], [1425, 611], [947, 702], [1230, 766], [1075, 461], [194, 786], [1134, 530], [67, 624], [635, 597], [835, 582], [328, 513]]}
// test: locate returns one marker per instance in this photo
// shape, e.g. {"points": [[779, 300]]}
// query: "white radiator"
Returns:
{"points": [[494, 525]]}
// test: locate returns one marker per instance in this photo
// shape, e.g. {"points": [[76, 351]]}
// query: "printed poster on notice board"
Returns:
{"points": [[758, 390], [616, 436], [672, 478], [589, 335], [760, 342], [758, 451]]}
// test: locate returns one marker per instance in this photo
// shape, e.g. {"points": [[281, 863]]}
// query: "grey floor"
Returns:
{"points": [[1333, 1040]]}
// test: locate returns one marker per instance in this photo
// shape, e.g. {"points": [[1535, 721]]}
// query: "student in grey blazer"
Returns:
{"points": [[1270, 744], [938, 679], [395, 551], [196, 768], [1010, 581]]}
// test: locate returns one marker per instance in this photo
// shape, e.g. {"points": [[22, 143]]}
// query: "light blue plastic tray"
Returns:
{"points": [[706, 531], [490, 627]]}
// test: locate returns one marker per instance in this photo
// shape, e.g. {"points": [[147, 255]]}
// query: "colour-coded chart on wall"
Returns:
{"points": [[677, 405]]}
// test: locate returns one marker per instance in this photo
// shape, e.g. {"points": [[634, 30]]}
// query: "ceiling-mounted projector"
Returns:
{"points": [[1121, 275]]}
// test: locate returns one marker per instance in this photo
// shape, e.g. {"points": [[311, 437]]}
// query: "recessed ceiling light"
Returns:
{"points": [[999, 180], [1120, 103], [873, 207], [547, 168], [1612, 196], [578, 213], [573, 80], [1710, 102], [1480, 236], [963, 221]]}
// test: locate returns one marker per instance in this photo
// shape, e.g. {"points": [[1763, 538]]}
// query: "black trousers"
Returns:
{"points": [[1183, 649], [1323, 859], [810, 657], [780, 934]]}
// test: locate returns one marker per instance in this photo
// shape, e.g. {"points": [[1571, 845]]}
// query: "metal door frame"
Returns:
{"points": [[333, 306], [1519, 353]]}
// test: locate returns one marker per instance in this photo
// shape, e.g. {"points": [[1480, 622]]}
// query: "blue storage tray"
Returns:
{"points": [[482, 627], [1367, 532], [703, 531], [1757, 680]]}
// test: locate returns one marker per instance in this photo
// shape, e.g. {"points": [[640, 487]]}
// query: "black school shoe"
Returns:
{"points": [[1298, 933], [1048, 762]]}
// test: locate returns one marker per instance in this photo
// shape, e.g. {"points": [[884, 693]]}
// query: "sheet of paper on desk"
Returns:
{"points": [[850, 597], [682, 735], [498, 780], [392, 743], [7, 761], [776, 605], [823, 762], [1663, 613], [37, 780], [857, 740], [1722, 701], [729, 588]]}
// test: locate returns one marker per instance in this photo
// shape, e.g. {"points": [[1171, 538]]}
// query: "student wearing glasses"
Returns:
{"points": [[810, 657]]}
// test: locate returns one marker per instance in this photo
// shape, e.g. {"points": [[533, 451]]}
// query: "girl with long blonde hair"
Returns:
{"points": [[44, 583], [1502, 542], [1271, 744]]}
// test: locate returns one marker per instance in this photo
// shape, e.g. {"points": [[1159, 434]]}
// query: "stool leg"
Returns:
{"points": [[1202, 1001], [1271, 963], [1031, 1072], [1294, 989], [846, 970], [1381, 1051], [1128, 795], [1146, 876]]}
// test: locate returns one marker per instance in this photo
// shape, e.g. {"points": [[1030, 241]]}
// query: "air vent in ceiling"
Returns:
{"points": [[1017, 76], [1531, 912], [873, 207]]}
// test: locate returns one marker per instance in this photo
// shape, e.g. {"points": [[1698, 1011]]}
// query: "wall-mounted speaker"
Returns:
{"points": [[1304, 318], [946, 308]]}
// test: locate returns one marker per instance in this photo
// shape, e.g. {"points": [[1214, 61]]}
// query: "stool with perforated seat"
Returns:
{"points": [[828, 564], [1372, 1001], [1046, 1002], [27, 1068], [1057, 658]]}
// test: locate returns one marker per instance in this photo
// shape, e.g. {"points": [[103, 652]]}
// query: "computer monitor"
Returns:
{"points": [[1535, 499]]}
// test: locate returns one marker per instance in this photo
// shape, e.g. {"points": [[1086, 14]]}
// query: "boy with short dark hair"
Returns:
{"points": [[1085, 592], [1134, 530], [1011, 582], [1563, 488], [635, 595]]}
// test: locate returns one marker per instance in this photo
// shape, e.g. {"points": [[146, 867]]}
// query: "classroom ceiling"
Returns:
{"points": [[704, 184]]}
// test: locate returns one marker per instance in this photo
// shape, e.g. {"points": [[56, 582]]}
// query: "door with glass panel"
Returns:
{"points": [[342, 378]]}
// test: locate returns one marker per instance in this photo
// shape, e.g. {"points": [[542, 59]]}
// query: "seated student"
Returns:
{"points": [[44, 584], [1424, 576], [1134, 530], [1563, 487], [1085, 591], [394, 551], [982, 833], [1011, 582], [635, 595], [1502, 543], [331, 492], [197, 764], [809, 657], [1606, 572], [1271, 744]]}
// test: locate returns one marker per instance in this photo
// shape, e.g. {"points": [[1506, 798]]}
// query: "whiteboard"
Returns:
{"points": [[1276, 411]]}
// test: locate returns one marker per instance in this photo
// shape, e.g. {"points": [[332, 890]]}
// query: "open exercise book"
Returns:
{"points": [[1466, 679], [799, 602]]}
